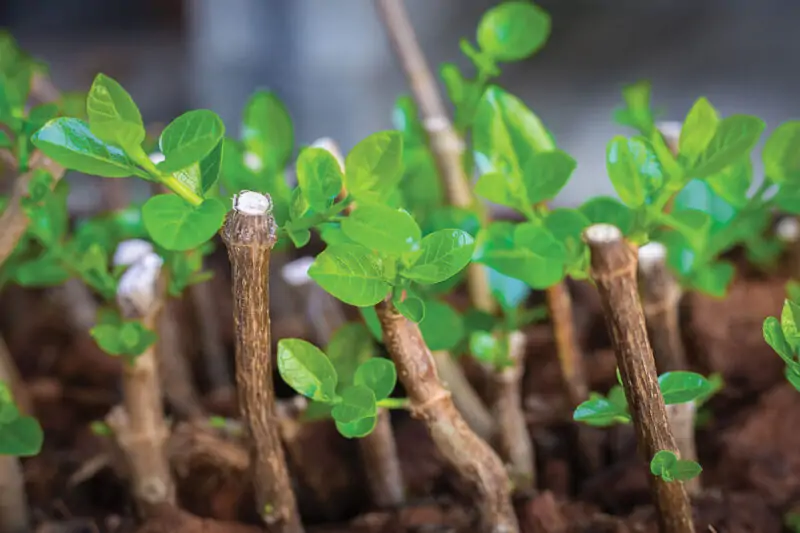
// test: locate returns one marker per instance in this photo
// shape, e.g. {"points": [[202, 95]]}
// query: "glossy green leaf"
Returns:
{"points": [[733, 182], [634, 169], [374, 166], [113, 115], [178, 226], [694, 224], [734, 138], [781, 153], [352, 274], [666, 465], [792, 373], [506, 133], [512, 31], [350, 346], [356, 403], [306, 369], [681, 387], [410, 307], [773, 334], [685, 470], [567, 226], [637, 113], [442, 327], [699, 195], [382, 228], [600, 412], [698, 129], [502, 189], [379, 375], [44, 271], [450, 217], [607, 210], [69, 142], [357, 429], [127, 338], [189, 139], [267, 130], [319, 177], [790, 323], [442, 255], [662, 462], [21, 437], [372, 322], [546, 173]]}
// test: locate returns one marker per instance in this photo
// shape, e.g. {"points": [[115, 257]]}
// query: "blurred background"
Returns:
{"points": [[331, 64]]}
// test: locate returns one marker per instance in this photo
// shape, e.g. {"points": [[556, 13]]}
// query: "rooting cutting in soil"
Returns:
{"points": [[382, 349]]}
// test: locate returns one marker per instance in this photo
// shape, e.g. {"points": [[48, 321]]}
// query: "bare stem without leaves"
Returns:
{"points": [[465, 397], [176, 373], [468, 454], [613, 269], [513, 439], [570, 358], [140, 429], [249, 235]]}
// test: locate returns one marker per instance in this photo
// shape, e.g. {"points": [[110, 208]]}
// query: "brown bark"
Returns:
{"points": [[570, 358], [613, 269], [215, 356], [513, 439], [176, 373], [661, 297], [446, 145], [139, 426], [429, 401], [465, 397], [249, 235], [681, 420]]}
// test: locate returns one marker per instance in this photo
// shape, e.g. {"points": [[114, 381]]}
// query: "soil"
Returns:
{"points": [[590, 480]]}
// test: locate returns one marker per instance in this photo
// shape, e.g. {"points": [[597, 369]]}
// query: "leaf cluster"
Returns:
{"points": [[666, 465]]}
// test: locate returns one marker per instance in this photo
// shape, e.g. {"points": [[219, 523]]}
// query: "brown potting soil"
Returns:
{"points": [[590, 480]]}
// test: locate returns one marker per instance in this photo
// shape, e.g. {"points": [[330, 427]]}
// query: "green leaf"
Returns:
{"points": [[410, 307], [781, 153], [682, 387], [382, 228], [69, 142], [374, 166], [189, 139], [600, 412], [357, 429], [567, 226], [637, 112], [607, 210], [662, 462], [733, 182], [442, 328], [485, 347], [350, 346], [351, 273], [379, 375], [790, 323], [5, 140], [735, 138], [501, 189], [306, 369], [513, 31], [175, 225], [267, 130], [698, 194], [357, 402], [685, 470], [698, 129], [792, 373], [442, 255], [113, 115], [127, 338], [634, 169], [44, 271], [546, 173], [694, 224], [507, 133], [714, 279], [372, 322], [319, 177], [21, 437]]}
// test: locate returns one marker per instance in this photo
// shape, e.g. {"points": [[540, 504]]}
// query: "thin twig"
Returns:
{"points": [[249, 235], [140, 428], [468, 454], [446, 145], [613, 269]]}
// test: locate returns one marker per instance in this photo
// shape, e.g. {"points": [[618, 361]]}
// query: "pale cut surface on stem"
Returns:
{"points": [[513, 439], [250, 239], [613, 269], [469, 456], [661, 296], [446, 145], [140, 429]]}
